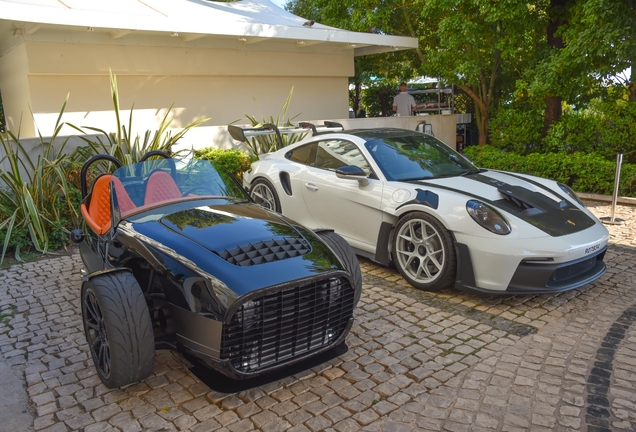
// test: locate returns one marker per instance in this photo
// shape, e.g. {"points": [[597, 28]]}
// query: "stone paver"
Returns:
{"points": [[415, 361]]}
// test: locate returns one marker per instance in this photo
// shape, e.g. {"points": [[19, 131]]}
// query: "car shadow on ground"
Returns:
{"points": [[223, 384]]}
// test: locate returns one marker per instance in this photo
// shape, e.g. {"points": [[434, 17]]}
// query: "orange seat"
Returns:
{"points": [[97, 215], [161, 187]]}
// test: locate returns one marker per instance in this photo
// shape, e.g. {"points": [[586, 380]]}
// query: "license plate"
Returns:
{"points": [[593, 248]]}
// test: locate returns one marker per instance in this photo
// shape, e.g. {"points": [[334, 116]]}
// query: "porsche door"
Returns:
{"points": [[345, 205]]}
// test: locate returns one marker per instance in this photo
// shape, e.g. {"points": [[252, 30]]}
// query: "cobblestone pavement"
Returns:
{"points": [[416, 361]]}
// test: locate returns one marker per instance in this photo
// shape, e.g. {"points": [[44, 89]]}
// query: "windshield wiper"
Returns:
{"points": [[471, 172], [408, 179]]}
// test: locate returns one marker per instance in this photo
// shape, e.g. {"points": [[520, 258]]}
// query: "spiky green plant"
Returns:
{"points": [[34, 194], [269, 143], [123, 144]]}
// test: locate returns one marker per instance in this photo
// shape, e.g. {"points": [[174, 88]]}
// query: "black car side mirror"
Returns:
{"points": [[76, 236], [352, 172]]}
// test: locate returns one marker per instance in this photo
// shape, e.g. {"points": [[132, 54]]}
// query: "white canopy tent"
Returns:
{"points": [[207, 58]]}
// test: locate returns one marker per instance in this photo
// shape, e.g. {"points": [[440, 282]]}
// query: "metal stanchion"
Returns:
{"points": [[611, 220]]}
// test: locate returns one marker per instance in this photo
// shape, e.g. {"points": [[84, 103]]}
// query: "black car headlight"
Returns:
{"points": [[568, 190], [488, 217]]}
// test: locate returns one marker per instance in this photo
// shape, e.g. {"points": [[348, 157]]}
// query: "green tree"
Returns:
{"points": [[590, 44], [481, 46]]}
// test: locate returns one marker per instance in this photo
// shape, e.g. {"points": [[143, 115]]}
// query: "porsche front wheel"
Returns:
{"points": [[118, 328], [424, 253], [264, 193]]}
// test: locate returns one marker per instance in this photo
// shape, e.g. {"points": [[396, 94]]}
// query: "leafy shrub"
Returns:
{"points": [[578, 131], [584, 172], [122, 144], [36, 202], [378, 98], [234, 161], [516, 130], [617, 129], [269, 143]]}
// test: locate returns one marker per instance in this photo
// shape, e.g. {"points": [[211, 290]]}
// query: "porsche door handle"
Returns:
{"points": [[311, 186]]}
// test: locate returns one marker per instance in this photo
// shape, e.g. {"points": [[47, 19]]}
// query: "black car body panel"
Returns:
{"points": [[202, 261]]}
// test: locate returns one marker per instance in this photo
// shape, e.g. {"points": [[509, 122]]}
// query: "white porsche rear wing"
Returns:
{"points": [[241, 133]]}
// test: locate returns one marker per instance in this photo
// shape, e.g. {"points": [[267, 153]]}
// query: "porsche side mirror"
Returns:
{"points": [[352, 172]]}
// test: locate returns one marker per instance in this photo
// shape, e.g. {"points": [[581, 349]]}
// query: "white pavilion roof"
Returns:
{"points": [[248, 20]]}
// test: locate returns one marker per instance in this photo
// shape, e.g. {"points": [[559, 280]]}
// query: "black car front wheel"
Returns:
{"points": [[348, 257], [264, 193], [118, 328], [423, 252]]}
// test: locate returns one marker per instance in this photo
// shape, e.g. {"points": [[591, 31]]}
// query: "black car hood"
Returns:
{"points": [[241, 245], [230, 227]]}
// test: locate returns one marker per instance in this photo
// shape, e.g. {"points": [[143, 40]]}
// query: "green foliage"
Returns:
{"points": [[606, 127], [123, 144], [233, 161], [3, 123], [599, 44], [378, 98], [269, 143], [516, 130], [584, 172], [36, 202]]}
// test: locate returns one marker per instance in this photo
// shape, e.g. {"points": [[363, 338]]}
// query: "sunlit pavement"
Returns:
{"points": [[416, 361]]}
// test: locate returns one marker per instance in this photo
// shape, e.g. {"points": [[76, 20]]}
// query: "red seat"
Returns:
{"points": [[97, 215], [161, 187]]}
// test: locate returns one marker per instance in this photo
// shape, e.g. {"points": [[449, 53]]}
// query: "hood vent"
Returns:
{"points": [[528, 202], [266, 252]]}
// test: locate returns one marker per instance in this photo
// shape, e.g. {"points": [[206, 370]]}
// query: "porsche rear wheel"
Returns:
{"points": [[348, 257], [264, 193], [424, 252], [118, 328]]}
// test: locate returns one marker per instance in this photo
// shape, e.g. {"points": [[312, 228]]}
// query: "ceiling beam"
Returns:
{"points": [[191, 36], [251, 40], [119, 34], [306, 43]]}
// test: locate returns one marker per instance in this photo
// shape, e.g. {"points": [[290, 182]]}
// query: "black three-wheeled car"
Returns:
{"points": [[178, 256]]}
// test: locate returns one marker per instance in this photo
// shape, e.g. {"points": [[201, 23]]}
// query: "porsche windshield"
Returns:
{"points": [[163, 181], [417, 157]]}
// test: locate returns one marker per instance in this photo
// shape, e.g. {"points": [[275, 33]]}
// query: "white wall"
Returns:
{"points": [[222, 84], [14, 88]]}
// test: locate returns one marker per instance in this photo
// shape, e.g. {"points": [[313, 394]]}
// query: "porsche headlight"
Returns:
{"points": [[568, 190], [487, 217]]}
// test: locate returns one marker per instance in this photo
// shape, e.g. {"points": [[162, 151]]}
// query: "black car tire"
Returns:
{"points": [[264, 193], [434, 248], [348, 257], [118, 328]]}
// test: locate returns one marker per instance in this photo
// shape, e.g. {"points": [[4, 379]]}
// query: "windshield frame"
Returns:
{"points": [[179, 179]]}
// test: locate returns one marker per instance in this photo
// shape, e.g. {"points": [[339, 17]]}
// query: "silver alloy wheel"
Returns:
{"points": [[263, 195], [420, 251]]}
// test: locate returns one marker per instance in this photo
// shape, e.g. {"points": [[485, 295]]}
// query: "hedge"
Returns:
{"points": [[583, 172], [233, 160]]}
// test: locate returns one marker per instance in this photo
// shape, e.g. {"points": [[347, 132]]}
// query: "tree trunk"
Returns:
{"points": [[482, 116], [357, 96], [553, 110], [482, 126]]}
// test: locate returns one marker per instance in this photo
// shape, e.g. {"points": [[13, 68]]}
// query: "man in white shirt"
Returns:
{"points": [[404, 104]]}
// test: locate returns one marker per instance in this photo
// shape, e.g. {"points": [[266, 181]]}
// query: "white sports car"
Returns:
{"points": [[405, 197]]}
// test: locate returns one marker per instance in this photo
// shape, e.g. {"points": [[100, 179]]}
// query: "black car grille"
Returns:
{"points": [[265, 252], [562, 274], [278, 327]]}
